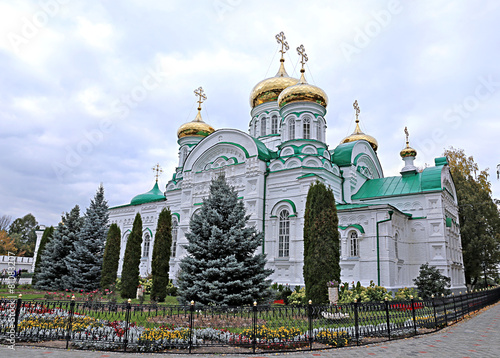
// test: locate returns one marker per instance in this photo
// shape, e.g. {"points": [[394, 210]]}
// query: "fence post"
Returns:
{"points": [[435, 313], [388, 318], [254, 341], [356, 321], [191, 313], [127, 322], [454, 306], [18, 310], [445, 313], [413, 314], [70, 320], [310, 317]]}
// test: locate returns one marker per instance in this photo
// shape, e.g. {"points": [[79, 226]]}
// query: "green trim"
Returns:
{"points": [[150, 232], [448, 222], [292, 216], [178, 216], [378, 244], [266, 173], [247, 155], [198, 204], [240, 197], [269, 135], [292, 204], [310, 175], [297, 114], [128, 230], [418, 218], [356, 226]]}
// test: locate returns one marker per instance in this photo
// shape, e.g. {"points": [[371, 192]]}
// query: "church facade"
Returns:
{"points": [[388, 226]]}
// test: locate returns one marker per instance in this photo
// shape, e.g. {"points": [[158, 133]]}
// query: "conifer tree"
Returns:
{"points": [[222, 266], [321, 243], [111, 257], [131, 260], [46, 237], [53, 260], [85, 261], [161, 256]]}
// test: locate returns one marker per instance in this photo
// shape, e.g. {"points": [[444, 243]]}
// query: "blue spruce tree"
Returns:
{"points": [[85, 261], [53, 260], [222, 266]]}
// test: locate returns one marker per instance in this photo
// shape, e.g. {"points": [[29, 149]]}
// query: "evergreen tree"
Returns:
{"points": [[85, 261], [222, 266], [431, 282], [131, 260], [111, 257], [161, 256], [321, 243], [53, 260], [46, 237]]}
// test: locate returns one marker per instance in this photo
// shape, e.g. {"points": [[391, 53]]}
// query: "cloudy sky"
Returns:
{"points": [[94, 91]]}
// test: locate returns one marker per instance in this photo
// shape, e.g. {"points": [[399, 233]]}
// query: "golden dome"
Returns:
{"points": [[269, 89], [359, 135], [408, 152], [196, 128], [303, 92]]}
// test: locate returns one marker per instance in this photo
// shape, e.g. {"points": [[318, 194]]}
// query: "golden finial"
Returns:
{"points": [[202, 97], [356, 108], [158, 170], [302, 52], [284, 44]]}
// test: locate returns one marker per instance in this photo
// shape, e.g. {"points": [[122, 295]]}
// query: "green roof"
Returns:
{"points": [[263, 153], [428, 180], [153, 195], [342, 154]]}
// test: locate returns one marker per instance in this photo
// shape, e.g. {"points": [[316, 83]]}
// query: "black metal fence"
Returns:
{"points": [[212, 329]]}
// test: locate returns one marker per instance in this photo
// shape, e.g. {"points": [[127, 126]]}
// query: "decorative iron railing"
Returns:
{"points": [[201, 329]]}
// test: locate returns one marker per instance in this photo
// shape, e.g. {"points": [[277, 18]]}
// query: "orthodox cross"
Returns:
{"points": [[158, 170], [302, 52], [202, 97], [356, 108], [407, 134], [284, 44]]}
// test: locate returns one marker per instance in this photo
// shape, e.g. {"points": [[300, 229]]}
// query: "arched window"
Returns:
{"points": [[291, 128], [318, 131], [354, 244], [255, 128], [263, 126], [284, 234], [307, 128], [175, 229], [274, 124], [147, 242]]}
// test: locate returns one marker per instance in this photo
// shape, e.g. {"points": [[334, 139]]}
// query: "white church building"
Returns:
{"points": [[388, 226]]}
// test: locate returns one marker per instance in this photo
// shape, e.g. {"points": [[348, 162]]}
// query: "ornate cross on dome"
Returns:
{"points": [[407, 135], [356, 108], [302, 52], [200, 93], [284, 44], [158, 170]]}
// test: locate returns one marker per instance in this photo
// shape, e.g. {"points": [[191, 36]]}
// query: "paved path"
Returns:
{"points": [[478, 336]]}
